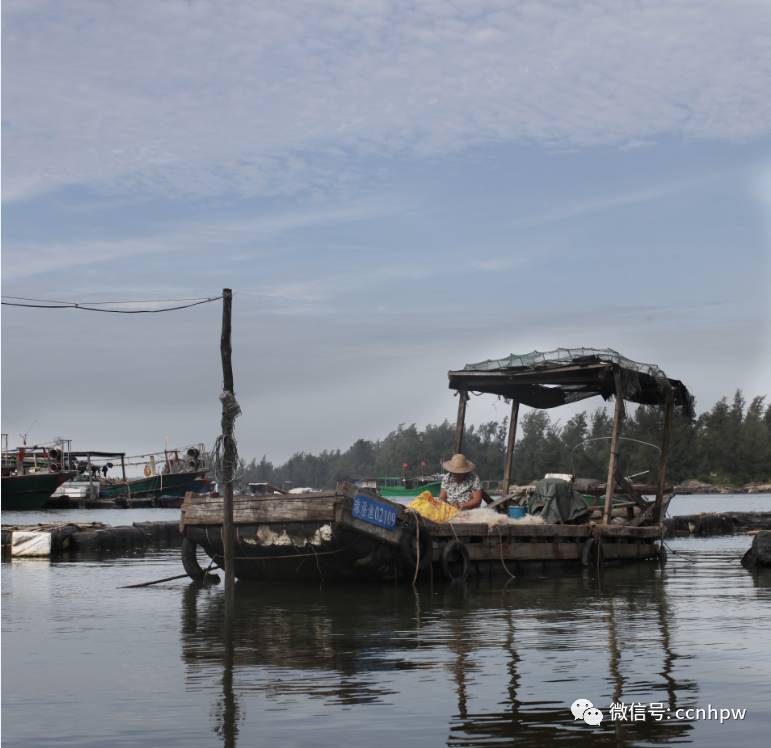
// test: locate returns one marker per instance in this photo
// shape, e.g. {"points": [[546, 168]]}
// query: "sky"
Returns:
{"points": [[391, 189]]}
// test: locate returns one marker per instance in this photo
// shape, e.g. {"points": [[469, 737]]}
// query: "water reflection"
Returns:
{"points": [[510, 659]]}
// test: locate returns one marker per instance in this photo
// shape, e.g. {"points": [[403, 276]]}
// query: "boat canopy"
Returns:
{"points": [[567, 375]]}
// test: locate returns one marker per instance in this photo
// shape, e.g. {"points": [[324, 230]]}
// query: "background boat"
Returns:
{"points": [[31, 491], [30, 474], [402, 488], [163, 484]]}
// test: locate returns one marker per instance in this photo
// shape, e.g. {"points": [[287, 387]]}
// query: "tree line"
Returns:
{"points": [[729, 445]]}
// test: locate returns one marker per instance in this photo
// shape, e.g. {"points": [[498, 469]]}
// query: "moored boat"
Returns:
{"points": [[355, 533], [32, 490], [402, 488], [178, 475], [30, 474], [163, 484]]}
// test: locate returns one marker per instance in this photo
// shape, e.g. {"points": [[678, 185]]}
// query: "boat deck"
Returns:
{"points": [[299, 516]]}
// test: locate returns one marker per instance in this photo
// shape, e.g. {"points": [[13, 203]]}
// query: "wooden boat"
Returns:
{"points": [[354, 533]]}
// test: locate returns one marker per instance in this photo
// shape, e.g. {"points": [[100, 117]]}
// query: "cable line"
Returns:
{"points": [[52, 304], [103, 303]]}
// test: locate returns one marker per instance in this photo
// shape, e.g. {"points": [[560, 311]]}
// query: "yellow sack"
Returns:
{"points": [[430, 508]]}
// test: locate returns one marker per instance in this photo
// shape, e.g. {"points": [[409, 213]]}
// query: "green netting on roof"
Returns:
{"points": [[566, 375], [562, 357]]}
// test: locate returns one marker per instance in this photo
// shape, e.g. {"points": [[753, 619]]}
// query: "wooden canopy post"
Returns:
{"points": [[618, 413], [665, 440], [122, 466], [228, 444], [462, 399], [510, 445]]}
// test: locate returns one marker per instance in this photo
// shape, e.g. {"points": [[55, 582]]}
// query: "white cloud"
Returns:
{"points": [[27, 259], [496, 264], [272, 97]]}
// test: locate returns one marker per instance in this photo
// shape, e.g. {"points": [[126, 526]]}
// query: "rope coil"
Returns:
{"points": [[225, 451]]}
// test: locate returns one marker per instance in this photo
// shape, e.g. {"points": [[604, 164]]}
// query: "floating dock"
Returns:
{"points": [[54, 539]]}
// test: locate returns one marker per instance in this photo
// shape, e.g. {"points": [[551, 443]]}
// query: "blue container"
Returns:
{"points": [[517, 512]]}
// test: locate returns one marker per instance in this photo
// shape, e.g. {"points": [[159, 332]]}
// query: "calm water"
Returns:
{"points": [[88, 664]]}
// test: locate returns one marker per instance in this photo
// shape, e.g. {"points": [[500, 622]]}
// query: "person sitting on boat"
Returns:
{"points": [[461, 486]]}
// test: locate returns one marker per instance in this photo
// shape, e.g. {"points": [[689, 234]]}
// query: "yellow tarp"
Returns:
{"points": [[430, 508]]}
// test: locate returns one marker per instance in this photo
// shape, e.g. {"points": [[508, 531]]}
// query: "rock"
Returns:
{"points": [[759, 553]]}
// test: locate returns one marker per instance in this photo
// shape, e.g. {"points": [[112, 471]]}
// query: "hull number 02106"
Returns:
{"points": [[374, 512]]}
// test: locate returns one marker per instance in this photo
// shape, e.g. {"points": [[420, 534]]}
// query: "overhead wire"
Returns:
{"points": [[103, 303], [89, 305]]}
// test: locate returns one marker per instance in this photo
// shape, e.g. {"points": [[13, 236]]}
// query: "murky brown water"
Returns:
{"points": [[495, 663]]}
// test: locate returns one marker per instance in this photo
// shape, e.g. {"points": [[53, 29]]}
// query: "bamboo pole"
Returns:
{"points": [[618, 413], [462, 399], [510, 445], [664, 456], [227, 444]]}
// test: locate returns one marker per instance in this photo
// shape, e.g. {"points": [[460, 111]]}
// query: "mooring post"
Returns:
{"points": [[462, 398], [665, 439], [227, 443], [618, 413], [510, 445]]}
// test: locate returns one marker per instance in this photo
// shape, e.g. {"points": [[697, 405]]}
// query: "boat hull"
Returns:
{"points": [[31, 491], [343, 556], [170, 484]]}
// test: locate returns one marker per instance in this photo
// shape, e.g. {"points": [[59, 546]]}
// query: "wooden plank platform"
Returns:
{"points": [[331, 506], [251, 510]]}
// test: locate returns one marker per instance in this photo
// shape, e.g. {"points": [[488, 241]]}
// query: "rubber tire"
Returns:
{"points": [[459, 550], [191, 566], [589, 553], [407, 546]]}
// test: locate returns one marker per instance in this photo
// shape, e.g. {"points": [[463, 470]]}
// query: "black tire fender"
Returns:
{"points": [[408, 546], [192, 567], [589, 551], [455, 561]]}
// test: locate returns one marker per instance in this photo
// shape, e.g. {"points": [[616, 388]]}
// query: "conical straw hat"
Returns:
{"points": [[458, 464]]}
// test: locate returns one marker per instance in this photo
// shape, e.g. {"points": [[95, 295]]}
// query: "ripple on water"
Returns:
{"points": [[86, 663]]}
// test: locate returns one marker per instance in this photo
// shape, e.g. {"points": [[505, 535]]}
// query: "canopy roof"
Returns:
{"points": [[566, 375]]}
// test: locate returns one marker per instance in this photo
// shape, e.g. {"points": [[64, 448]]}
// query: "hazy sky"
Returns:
{"points": [[392, 189]]}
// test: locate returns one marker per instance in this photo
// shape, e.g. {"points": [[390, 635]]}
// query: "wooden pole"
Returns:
{"points": [[510, 445], [665, 440], [618, 413], [462, 398], [227, 444]]}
